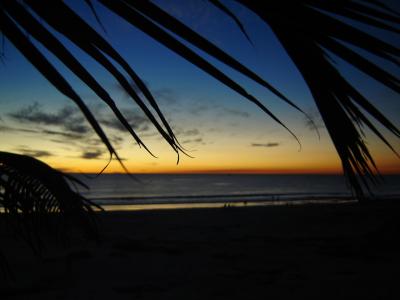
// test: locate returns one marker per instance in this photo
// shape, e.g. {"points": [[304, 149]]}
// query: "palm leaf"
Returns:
{"points": [[305, 31], [37, 198], [158, 15], [61, 17], [132, 16], [20, 41]]}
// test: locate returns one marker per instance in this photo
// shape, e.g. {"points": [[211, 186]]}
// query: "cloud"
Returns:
{"points": [[137, 121], [78, 139], [238, 113], [191, 132], [116, 140], [198, 140], [198, 109], [266, 145], [166, 94], [33, 114], [75, 139], [68, 118], [121, 158], [77, 127], [68, 135], [13, 129], [133, 86], [92, 154], [41, 131], [34, 153]]}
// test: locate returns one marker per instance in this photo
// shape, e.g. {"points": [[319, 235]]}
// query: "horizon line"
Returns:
{"points": [[222, 173]]}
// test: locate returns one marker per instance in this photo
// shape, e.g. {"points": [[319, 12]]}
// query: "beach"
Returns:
{"points": [[326, 251]]}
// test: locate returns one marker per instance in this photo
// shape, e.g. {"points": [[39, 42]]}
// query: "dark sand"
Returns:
{"points": [[290, 252]]}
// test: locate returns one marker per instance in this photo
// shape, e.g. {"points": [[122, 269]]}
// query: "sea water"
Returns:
{"points": [[172, 190]]}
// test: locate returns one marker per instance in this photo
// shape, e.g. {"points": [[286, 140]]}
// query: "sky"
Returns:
{"points": [[221, 130]]}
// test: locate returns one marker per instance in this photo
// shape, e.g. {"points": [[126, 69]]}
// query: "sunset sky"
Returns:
{"points": [[220, 129]]}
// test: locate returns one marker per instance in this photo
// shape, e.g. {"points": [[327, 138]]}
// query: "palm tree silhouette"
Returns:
{"points": [[307, 29]]}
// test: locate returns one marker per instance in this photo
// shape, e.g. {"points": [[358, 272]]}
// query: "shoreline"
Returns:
{"points": [[221, 204]]}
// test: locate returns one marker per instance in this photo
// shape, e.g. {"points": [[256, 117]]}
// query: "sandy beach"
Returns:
{"points": [[329, 251]]}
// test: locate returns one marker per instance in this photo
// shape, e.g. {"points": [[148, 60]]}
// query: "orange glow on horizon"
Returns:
{"points": [[326, 168], [322, 171]]}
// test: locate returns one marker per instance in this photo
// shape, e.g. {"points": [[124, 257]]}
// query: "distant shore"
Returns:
{"points": [[325, 251]]}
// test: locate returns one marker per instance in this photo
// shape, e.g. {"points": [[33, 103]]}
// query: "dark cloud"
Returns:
{"points": [[38, 130], [191, 132], [14, 129], [137, 121], [116, 140], [235, 112], [34, 153], [76, 140], [266, 145], [68, 135], [32, 113], [71, 139], [121, 158], [68, 118], [163, 94], [150, 134], [187, 135], [193, 141], [167, 95], [133, 86], [77, 128], [60, 137], [198, 109], [92, 154]]}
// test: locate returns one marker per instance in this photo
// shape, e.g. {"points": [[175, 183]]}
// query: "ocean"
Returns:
{"points": [[150, 191]]}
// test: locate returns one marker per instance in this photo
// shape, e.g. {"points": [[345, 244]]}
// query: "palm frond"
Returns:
{"points": [[131, 15], [306, 29], [163, 18], [61, 18], [37, 198], [233, 16], [21, 42]]}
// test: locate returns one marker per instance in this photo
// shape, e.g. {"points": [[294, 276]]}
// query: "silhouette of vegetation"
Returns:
{"points": [[307, 29], [38, 200]]}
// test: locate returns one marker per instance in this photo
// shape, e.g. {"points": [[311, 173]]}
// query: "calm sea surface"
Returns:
{"points": [[121, 189]]}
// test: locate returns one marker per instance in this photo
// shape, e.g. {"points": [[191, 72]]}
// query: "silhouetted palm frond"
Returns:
{"points": [[37, 198], [308, 29], [15, 16]]}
